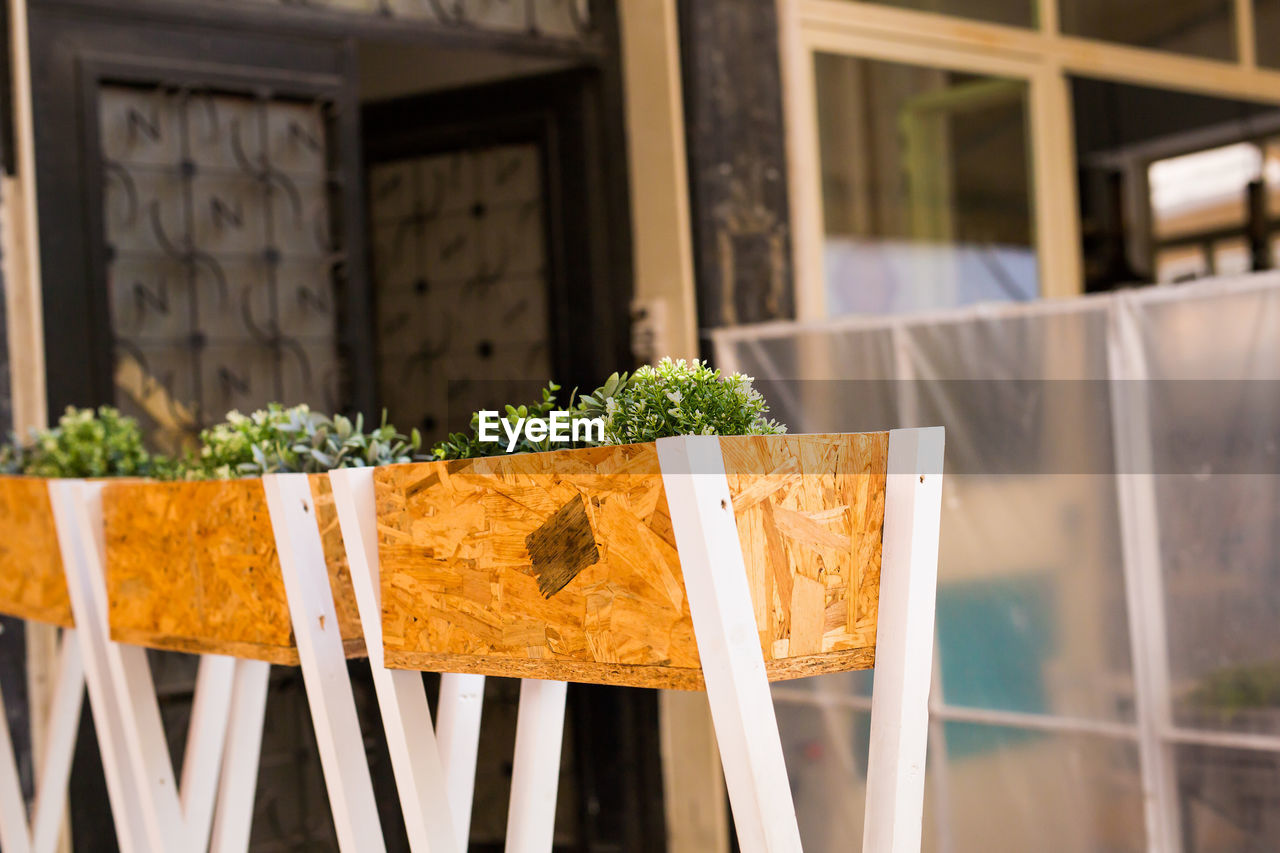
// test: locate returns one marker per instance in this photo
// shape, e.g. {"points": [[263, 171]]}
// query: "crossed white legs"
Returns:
{"points": [[152, 813], [724, 626], [733, 666], [434, 767], [54, 768]]}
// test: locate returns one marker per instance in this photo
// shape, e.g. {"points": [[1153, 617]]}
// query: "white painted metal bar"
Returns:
{"points": [[145, 746], [68, 498], [1005, 719], [13, 808], [324, 664], [904, 642], [54, 770], [1223, 739], [535, 778], [161, 816], [706, 534], [436, 807], [1144, 597], [202, 762], [237, 785], [458, 738]]}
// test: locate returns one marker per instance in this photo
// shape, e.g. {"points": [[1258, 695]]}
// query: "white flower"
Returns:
{"points": [[675, 396]]}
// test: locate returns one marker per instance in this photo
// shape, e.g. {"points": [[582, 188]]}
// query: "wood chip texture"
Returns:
{"points": [[192, 567], [563, 565], [32, 583]]}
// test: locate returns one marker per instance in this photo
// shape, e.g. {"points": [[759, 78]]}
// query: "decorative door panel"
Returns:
{"points": [[460, 271], [220, 252]]}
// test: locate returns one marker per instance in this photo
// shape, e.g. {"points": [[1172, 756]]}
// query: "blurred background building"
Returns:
{"points": [[424, 206]]}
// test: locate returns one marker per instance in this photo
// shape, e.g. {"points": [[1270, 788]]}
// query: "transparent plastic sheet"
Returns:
{"points": [[1043, 686]]}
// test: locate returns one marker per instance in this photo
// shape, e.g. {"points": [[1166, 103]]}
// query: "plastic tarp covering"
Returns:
{"points": [[1108, 629]]}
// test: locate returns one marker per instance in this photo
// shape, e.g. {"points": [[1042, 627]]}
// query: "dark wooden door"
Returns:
{"points": [[497, 261]]}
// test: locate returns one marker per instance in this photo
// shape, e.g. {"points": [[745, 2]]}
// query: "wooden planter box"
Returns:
{"points": [[32, 583], [192, 567], [563, 565]]}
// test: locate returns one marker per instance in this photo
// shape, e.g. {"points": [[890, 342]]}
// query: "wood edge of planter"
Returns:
{"points": [[145, 569], [621, 675], [30, 553], [276, 655]]}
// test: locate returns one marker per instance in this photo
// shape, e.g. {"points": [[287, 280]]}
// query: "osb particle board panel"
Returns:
{"points": [[192, 567], [563, 565], [32, 583]]}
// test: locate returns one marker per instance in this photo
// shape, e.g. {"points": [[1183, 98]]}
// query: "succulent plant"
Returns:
{"points": [[670, 398], [85, 443], [295, 440]]}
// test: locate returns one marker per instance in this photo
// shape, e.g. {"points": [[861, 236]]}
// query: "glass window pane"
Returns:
{"points": [[1271, 175], [1196, 27], [1182, 263], [926, 189], [1203, 191], [1231, 257], [1266, 28], [1007, 790], [1213, 444], [1229, 799], [1031, 609], [1018, 13], [1017, 790]]}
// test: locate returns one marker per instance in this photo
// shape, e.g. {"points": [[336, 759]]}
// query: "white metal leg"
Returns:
{"points": [[904, 642], [724, 626], [458, 739], [67, 498], [202, 763], [233, 819], [531, 819], [324, 664], [152, 813], [1143, 578], [14, 837], [435, 773], [53, 768]]}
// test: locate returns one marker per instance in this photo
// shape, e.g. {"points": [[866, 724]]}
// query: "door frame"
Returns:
{"points": [[72, 57]]}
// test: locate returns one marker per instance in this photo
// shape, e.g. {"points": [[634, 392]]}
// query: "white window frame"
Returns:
{"points": [[1044, 58]]}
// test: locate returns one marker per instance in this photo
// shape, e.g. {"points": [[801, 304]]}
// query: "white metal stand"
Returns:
{"points": [[733, 664], [904, 642], [152, 813], [434, 770], [732, 661]]}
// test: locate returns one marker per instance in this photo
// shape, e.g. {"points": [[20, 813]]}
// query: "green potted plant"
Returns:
{"points": [[85, 443], [191, 562]]}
